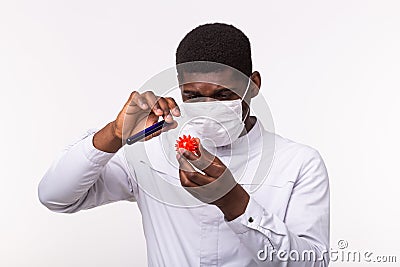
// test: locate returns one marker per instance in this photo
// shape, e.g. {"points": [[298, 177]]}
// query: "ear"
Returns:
{"points": [[256, 79]]}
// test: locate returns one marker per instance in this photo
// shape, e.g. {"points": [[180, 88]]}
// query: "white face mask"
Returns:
{"points": [[216, 122]]}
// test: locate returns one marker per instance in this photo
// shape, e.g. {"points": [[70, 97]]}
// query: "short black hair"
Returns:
{"points": [[215, 42]]}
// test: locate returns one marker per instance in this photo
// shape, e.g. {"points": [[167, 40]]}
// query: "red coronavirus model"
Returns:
{"points": [[187, 142]]}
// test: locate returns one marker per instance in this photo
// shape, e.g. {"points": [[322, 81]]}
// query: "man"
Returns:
{"points": [[288, 215]]}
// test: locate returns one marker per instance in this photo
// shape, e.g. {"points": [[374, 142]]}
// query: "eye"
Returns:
{"points": [[189, 95], [224, 95]]}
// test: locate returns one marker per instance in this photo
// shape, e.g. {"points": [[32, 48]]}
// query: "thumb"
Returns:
{"points": [[202, 152]]}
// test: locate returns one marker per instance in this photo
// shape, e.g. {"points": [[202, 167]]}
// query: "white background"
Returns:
{"points": [[330, 73]]}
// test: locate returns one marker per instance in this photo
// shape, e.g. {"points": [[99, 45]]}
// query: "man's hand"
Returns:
{"points": [[138, 113], [216, 186]]}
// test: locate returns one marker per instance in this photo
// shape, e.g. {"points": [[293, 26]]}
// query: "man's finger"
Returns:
{"points": [[165, 109], [204, 152], [185, 181], [169, 126], [206, 162], [184, 165], [173, 106], [191, 173], [137, 99], [197, 161], [198, 178], [151, 99]]}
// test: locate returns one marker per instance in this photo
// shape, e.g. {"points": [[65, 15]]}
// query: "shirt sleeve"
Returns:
{"points": [[83, 177], [302, 238]]}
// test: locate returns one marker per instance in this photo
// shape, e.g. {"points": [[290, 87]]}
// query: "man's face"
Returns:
{"points": [[221, 85]]}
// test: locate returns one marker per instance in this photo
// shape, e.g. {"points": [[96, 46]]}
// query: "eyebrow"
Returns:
{"points": [[215, 92]]}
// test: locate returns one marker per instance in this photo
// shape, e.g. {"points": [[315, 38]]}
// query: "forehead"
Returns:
{"points": [[219, 79]]}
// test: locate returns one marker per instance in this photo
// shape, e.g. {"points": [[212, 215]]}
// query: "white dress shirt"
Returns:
{"points": [[289, 212]]}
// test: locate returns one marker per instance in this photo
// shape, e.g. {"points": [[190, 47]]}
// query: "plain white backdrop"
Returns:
{"points": [[330, 72]]}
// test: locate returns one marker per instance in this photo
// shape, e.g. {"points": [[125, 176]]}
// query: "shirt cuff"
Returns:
{"points": [[250, 219], [93, 154]]}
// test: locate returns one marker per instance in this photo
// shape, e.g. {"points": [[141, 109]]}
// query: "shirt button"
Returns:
{"points": [[251, 220]]}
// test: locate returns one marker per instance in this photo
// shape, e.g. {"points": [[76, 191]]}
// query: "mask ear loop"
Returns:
{"points": [[243, 97]]}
